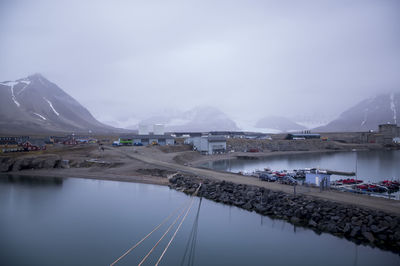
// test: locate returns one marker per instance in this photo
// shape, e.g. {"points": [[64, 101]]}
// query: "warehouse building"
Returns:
{"points": [[144, 140], [153, 140], [208, 144], [387, 134]]}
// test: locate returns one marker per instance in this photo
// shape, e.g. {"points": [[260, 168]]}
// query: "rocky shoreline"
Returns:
{"points": [[360, 225]]}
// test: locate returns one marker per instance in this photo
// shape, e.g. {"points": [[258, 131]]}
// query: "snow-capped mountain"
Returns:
{"points": [[281, 124], [201, 118], [36, 105], [368, 114]]}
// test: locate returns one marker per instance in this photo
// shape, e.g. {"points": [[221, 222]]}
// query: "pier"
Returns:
{"points": [[344, 173]]}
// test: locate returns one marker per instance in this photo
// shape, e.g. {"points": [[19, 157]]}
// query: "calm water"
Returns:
{"points": [[90, 222], [371, 165]]}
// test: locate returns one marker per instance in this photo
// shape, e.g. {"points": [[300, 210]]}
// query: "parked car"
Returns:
{"points": [[267, 177], [288, 180]]}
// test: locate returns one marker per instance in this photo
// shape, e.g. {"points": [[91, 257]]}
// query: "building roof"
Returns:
{"points": [[302, 135], [216, 138], [37, 142], [152, 137], [8, 142]]}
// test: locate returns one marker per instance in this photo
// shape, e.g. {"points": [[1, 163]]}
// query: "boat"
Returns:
{"points": [[351, 181], [372, 188]]}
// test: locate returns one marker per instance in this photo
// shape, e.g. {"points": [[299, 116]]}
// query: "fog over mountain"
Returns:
{"points": [[126, 61], [278, 123], [368, 114], [200, 118]]}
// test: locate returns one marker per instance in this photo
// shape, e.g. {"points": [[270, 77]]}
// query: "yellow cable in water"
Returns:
{"points": [[166, 232], [144, 238], [177, 229]]}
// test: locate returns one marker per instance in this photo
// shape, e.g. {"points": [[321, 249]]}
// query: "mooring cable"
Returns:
{"points": [[166, 232], [194, 241], [190, 245], [179, 226], [144, 238]]}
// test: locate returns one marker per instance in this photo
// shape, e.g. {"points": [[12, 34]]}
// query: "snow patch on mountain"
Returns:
{"points": [[11, 84], [365, 117], [42, 117], [26, 82], [51, 106], [393, 107]]}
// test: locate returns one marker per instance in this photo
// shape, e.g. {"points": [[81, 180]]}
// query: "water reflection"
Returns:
{"points": [[95, 221], [371, 166], [31, 180]]}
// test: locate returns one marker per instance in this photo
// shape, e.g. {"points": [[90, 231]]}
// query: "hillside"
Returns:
{"points": [[367, 114], [34, 105]]}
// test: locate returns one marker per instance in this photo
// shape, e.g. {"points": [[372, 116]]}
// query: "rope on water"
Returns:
{"points": [[191, 244], [144, 238], [177, 229], [166, 232]]}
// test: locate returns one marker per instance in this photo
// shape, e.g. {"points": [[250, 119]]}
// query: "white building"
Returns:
{"points": [[316, 178], [158, 129], [208, 144], [143, 130]]}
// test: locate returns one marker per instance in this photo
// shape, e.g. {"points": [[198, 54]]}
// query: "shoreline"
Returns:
{"points": [[118, 178], [375, 228], [130, 160]]}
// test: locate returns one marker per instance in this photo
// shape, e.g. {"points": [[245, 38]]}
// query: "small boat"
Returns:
{"points": [[351, 181], [371, 188], [392, 186]]}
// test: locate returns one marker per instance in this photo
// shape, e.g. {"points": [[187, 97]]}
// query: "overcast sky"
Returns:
{"points": [[249, 58]]}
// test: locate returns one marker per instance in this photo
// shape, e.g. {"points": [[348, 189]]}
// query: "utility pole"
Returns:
{"points": [[356, 164]]}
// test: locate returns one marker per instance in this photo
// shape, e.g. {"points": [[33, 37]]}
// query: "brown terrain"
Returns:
{"points": [[155, 164]]}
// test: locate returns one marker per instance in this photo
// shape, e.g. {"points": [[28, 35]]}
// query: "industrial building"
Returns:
{"points": [[208, 144], [144, 138], [153, 140], [303, 136], [387, 134]]}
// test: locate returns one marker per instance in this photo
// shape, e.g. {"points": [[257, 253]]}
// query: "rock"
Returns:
{"points": [[295, 220], [369, 236], [310, 207], [251, 194], [247, 206], [6, 164], [331, 227], [312, 223], [374, 228], [355, 231], [396, 236], [347, 228], [259, 208], [382, 237], [388, 218], [335, 218], [362, 225]]}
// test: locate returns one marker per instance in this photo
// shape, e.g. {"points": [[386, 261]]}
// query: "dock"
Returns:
{"points": [[344, 173]]}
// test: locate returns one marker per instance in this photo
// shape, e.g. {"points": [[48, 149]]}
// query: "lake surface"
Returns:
{"points": [[93, 222], [372, 166]]}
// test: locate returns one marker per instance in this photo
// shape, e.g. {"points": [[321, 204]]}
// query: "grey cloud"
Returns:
{"points": [[249, 58]]}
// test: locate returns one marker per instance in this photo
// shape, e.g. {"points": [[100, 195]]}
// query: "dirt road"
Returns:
{"points": [[128, 161], [151, 156]]}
